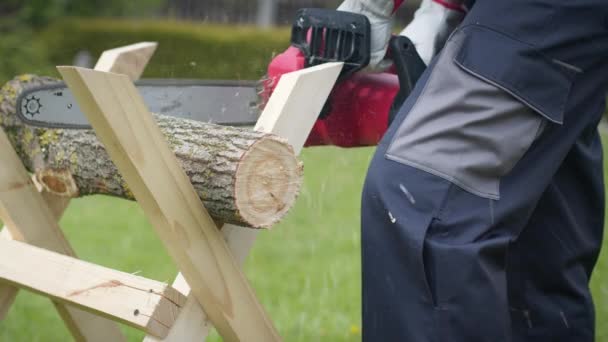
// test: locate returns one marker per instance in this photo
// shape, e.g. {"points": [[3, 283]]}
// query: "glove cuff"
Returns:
{"points": [[433, 23], [379, 13]]}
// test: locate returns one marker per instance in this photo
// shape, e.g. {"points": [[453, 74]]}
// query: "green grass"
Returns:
{"points": [[190, 50], [599, 280], [305, 271]]}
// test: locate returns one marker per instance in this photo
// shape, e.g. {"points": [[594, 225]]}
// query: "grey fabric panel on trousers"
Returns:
{"points": [[465, 129]]}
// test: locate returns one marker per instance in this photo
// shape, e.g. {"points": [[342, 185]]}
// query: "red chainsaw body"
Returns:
{"points": [[358, 105]]}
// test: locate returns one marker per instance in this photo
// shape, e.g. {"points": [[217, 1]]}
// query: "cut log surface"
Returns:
{"points": [[242, 176]]}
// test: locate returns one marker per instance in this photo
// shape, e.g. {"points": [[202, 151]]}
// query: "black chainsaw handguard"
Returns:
{"points": [[332, 36]]}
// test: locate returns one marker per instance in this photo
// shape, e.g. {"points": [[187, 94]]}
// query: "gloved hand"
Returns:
{"points": [[433, 23], [379, 13]]}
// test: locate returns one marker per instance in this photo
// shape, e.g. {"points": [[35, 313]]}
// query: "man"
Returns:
{"points": [[482, 210]]}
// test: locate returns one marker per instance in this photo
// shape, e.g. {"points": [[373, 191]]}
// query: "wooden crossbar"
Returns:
{"points": [[145, 304], [130, 60], [28, 218]]}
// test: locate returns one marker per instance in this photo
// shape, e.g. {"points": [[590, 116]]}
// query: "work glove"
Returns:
{"points": [[433, 23], [379, 13]]}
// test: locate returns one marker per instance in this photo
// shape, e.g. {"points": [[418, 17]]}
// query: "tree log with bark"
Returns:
{"points": [[243, 177]]}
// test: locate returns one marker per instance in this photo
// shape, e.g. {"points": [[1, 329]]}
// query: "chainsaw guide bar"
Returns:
{"points": [[233, 103]]}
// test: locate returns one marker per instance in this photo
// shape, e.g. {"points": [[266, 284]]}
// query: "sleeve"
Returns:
{"points": [[433, 23]]}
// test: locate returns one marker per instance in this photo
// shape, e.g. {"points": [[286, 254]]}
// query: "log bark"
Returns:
{"points": [[242, 176]]}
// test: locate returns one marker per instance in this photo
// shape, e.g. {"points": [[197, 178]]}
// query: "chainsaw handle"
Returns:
{"points": [[408, 67], [325, 35]]}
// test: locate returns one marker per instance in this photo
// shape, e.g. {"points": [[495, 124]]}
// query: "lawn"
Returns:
{"points": [[305, 271]]}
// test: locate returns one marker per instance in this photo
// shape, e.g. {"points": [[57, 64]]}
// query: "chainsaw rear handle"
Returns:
{"points": [[335, 36], [408, 67], [332, 36]]}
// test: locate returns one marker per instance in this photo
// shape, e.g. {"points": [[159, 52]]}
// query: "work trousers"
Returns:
{"points": [[483, 206]]}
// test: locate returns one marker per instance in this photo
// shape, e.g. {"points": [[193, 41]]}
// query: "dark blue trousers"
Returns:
{"points": [[483, 206]]}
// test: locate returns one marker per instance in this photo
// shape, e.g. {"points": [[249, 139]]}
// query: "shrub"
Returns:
{"points": [[186, 50], [20, 52]]}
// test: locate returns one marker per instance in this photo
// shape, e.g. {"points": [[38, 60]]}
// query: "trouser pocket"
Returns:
{"points": [[469, 125]]}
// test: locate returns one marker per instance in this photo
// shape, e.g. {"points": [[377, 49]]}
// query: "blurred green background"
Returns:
{"points": [[306, 271]]}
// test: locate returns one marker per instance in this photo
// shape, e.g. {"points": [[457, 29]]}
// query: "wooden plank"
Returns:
{"points": [[83, 326], [7, 293], [290, 113], [133, 140], [130, 60], [142, 303], [57, 205], [192, 324], [28, 218]]}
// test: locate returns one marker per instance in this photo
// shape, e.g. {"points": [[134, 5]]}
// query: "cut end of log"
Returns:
{"points": [[58, 182], [268, 180]]}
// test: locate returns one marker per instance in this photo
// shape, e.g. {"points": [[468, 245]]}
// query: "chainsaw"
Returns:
{"points": [[357, 112]]}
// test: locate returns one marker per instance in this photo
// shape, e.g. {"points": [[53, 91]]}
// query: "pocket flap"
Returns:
{"points": [[518, 68]]}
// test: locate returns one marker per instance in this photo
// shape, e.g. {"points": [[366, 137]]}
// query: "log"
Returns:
{"points": [[242, 176]]}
